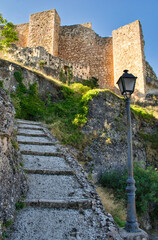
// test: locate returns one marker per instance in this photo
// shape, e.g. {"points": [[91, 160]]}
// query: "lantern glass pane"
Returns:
{"points": [[120, 85], [129, 84]]}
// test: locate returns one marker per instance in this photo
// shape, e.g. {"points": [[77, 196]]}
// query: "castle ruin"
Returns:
{"points": [[104, 58]]}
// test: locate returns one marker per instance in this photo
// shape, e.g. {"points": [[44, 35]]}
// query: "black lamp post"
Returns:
{"points": [[127, 84]]}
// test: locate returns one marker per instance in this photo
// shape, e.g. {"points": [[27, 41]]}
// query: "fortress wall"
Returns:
{"points": [[151, 81], [150, 72], [23, 30], [80, 44], [56, 29], [43, 30], [87, 25], [88, 54], [128, 52]]}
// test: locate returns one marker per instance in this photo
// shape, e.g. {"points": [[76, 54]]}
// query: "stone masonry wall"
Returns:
{"points": [[12, 179], [51, 65], [128, 52], [44, 31], [56, 34], [80, 44], [44, 84], [150, 72], [151, 81], [87, 25], [23, 30]]}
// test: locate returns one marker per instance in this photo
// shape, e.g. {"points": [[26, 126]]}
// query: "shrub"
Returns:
{"points": [[42, 63], [80, 88], [92, 82], [81, 116], [62, 77], [146, 185], [1, 83], [20, 205], [27, 102], [142, 112], [152, 139]]}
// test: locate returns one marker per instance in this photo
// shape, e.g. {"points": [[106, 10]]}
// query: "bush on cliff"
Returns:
{"points": [[146, 185], [27, 102]]}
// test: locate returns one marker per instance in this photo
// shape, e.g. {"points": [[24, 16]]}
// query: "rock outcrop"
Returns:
{"points": [[12, 179], [107, 125], [45, 85]]}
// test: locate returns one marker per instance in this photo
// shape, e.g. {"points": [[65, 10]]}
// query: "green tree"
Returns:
{"points": [[8, 34]]}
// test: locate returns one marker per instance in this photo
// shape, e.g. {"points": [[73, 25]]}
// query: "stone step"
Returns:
{"points": [[28, 139], [31, 132], [37, 143], [45, 162], [38, 148], [32, 127], [54, 187], [35, 223], [51, 154], [49, 172], [58, 204], [20, 121]]}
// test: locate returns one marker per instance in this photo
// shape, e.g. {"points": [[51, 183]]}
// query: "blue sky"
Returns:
{"points": [[105, 15]]}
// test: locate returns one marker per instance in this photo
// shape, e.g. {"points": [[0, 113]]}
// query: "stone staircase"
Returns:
{"points": [[61, 204]]}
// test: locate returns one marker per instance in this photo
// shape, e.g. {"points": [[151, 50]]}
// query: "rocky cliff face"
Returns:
{"points": [[45, 85], [107, 125], [12, 178]]}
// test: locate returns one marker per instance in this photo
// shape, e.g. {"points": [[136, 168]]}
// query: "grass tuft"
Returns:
{"points": [[144, 113], [116, 208]]}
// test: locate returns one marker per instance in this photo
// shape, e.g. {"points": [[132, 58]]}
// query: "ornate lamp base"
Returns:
{"points": [[141, 235]]}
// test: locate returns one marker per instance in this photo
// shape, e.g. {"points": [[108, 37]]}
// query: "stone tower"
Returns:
{"points": [[128, 53], [44, 31]]}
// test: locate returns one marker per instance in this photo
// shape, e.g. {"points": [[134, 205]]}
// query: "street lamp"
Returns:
{"points": [[126, 84]]}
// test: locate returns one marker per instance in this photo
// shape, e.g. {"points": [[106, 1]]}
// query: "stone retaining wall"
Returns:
{"points": [[44, 85], [38, 58], [12, 178]]}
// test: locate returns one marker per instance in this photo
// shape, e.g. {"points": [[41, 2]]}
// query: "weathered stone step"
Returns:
{"points": [[35, 223], [32, 127], [31, 132], [24, 125], [54, 187], [20, 121], [37, 143], [51, 154], [49, 172], [38, 148], [28, 139], [58, 204], [45, 162]]}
